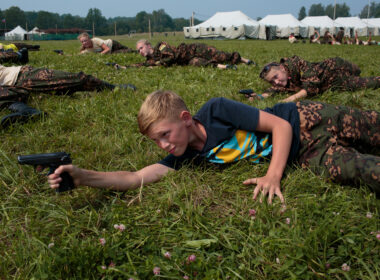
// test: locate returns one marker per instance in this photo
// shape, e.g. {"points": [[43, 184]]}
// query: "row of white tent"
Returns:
{"points": [[19, 33], [235, 25]]}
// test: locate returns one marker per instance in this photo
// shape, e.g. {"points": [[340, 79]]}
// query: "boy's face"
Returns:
{"points": [[86, 42], [170, 135], [277, 76], [144, 49]]}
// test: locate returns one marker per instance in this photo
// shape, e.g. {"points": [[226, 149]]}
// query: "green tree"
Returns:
{"points": [[374, 11], [317, 10], [46, 20], [31, 18], [142, 19], [14, 16], [180, 23], [94, 17], [342, 10], [70, 21], [161, 21], [302, 13]]}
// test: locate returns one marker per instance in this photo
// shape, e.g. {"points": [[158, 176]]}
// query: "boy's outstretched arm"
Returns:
{"points": [[282, 134], [301, 94], [118, 180]]}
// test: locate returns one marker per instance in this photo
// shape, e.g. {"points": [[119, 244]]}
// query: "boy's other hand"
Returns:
{"points": [[268, 186], [54, 179]]}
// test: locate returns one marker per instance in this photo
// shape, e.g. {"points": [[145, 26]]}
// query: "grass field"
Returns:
{"points": [[197, 211]]}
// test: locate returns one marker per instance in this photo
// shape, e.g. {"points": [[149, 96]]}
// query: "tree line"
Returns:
{"points": [[341, 10], [160, 21]]}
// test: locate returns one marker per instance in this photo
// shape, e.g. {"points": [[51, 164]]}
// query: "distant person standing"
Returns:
{"points": [[97, 45]]}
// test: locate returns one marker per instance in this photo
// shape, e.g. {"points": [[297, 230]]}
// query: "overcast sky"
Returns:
{"points": [[177, 8]]}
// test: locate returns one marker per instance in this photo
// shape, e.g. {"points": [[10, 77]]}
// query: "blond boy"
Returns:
{"points": [[225, 131]]}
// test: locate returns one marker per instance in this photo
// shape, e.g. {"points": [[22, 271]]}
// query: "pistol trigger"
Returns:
{"points": [[51, 170]]}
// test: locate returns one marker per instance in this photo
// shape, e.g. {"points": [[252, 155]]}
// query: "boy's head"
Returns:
{"points": [[164, 118], [275, 74], [144, 47], [160, 105], [84, 38]]}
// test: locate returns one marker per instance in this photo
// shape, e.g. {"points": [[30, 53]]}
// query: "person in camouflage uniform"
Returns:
{"points": [[185, 54], [16, 57], [295, 74], [340, 142], [17, 82]]}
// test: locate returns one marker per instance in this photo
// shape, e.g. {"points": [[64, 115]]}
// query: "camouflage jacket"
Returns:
{"points": [[163, 54], [314, 77]]}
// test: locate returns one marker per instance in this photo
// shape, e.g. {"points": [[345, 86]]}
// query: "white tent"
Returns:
{"points": [[374, 22], [18, 33], [36, 30], [230, 25], [285, 25], [321, 23], [354, 24]]}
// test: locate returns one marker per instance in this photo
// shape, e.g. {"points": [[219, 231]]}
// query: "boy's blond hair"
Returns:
{"points": [[84, 34], [143, 41], [159, 105]]}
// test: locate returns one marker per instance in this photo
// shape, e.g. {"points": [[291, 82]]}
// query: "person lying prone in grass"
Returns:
{"points": [[226, 131], [305, 79]]}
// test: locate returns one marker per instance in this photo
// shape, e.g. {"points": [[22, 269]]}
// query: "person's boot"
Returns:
{"points": [[22, 113], [23, 55]]}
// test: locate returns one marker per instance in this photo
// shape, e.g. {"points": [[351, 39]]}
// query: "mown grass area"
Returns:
{"points": [[44, 235]]}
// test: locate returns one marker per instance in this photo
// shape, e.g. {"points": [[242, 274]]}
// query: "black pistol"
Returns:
{"points": [[53, 161]]}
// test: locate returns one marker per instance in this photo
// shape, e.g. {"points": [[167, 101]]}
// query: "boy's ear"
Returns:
{"points": [[186, 116]]}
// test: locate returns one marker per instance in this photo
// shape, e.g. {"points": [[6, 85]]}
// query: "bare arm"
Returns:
{"points": [[301, 94], [118, 180], [316, 32], [105, 49], [281, 131]]}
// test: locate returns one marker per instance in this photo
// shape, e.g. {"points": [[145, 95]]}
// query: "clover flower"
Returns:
{"points": [[156, 270], [345, 267], [102, 241], [369, 215], [191, 258], [252, 212], [167, 255]]}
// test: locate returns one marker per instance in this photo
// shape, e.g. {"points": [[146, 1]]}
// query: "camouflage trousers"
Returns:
{"points": [[341, 143], [354, 83], [9, 56], [342, 75], [204, 55], [119, 48], [48, 80]]}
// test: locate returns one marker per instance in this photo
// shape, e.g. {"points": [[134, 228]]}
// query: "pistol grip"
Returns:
{"points": [[66, 184]]}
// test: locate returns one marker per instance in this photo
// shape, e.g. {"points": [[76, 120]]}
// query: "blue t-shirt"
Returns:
{"points": [[231, 133]]}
